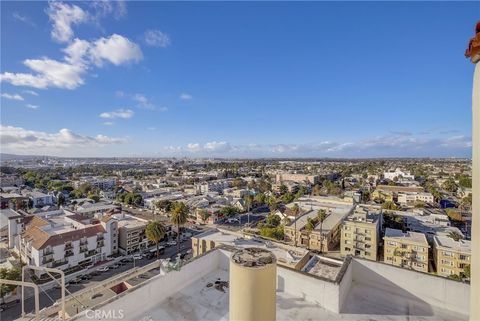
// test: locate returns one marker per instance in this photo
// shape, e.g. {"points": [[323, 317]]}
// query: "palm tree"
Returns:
{"points": [[455, 235], [309, 227], [179, 216], [321, 215], [155, 232], [295, 210]]}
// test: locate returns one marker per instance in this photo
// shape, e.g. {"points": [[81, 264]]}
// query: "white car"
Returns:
{"points": [[137, 257], [103, 269], [172, 243]]}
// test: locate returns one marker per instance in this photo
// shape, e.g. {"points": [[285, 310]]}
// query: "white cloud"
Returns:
{"points": [[109, 123], [63, 16], [31, 92], [115, 49], [23, 19], [185, 96], [79, 55], [397, 145], [156, 38], [12, 96], [32, 106], [20, 140], [103, 8], [143, 101], [119, 113]]}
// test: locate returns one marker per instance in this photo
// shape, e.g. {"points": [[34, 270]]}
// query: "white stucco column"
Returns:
{"points": [[475, 259]]}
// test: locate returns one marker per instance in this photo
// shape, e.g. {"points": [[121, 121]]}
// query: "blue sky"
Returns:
{"points": [[230, 79]]}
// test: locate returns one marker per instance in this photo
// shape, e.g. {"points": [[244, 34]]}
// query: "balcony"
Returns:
{"points": [[90, 253], [59, 263], [47, 260], [83, 248], [100, 237], [68, 253], [68, 246], [47, 252], [100, 244], [83, 242]]}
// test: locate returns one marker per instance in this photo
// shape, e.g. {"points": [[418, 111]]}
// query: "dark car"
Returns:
{"points": [[6, 305], [86, 277], [126, 260]]}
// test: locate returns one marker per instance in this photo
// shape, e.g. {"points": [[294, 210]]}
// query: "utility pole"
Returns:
{"points": [[473, 52]]}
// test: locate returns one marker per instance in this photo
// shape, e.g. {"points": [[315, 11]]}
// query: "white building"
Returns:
{"points": [[66, 241], [398, 174], [409, 198], [39, 199]]}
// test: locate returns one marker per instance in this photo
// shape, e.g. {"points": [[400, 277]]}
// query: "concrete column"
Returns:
{"points": [[475, 264], [253, 280]]}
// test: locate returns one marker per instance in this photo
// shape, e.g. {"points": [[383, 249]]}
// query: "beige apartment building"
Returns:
{"points": [[360, 234], [450, 256], [131, 235], [408, 250]]}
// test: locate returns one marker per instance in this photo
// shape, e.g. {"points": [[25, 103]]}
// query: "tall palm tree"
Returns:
{"points": [[179, 216], [321, 215], [155, 232], [309, 227], [296, 211]]}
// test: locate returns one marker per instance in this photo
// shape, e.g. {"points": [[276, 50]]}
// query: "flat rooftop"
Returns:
{"points": [[410, 236], [200, 292], [323, 267], [463, 246]]}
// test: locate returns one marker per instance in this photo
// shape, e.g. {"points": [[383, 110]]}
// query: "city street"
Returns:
{"points": [[48, 297]]}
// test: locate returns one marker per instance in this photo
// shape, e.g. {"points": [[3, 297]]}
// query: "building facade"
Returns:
{"points": [[408, 250], [451, 257]]}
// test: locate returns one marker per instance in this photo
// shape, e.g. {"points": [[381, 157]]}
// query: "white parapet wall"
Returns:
{"points": [[431, 289]]}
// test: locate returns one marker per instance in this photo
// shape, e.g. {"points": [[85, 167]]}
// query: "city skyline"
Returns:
{"points": [[236, 80]]}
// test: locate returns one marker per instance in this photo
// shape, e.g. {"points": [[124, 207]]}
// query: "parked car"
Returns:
{"points": [[77, 280], [86, 277], [94, 273], [127, 260], [115, 266], [137, 257], [6, 305], [57, 286], [103, 269]]}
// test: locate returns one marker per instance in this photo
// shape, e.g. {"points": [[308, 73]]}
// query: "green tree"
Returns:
{"points": [[389, 205], [309, 227], [466, 271], [228, 211], [179, 216], [465, 181], [449, 185], [204, 215], [248, 201], [321, 216], [455, 236], [155, 232], [9, 274], [272, 204], [295, 211]]}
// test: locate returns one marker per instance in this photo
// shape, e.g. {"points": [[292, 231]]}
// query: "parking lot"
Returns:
{"points": [[49, 296]]}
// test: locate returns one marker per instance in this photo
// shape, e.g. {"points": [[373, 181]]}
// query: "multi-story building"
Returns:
{"points": [[360, 234], [408, 198], [212, 186], [409, 249], [450, 256], [131, 234], [102, 183], [39, 199], [324, 236], [67, 241], [398, 173], [299, 178]]}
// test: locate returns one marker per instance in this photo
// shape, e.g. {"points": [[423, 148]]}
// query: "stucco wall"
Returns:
{"points": [[308, 287], [434, 290]]}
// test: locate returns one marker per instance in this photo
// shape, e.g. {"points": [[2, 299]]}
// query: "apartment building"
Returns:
{"points": [[102, 183], [299, 178], [39, 199], [131, 234], [360, 234], [450, 256], [65, 242], [409, 198], [212, 186], [397, 173], [408, 250]]}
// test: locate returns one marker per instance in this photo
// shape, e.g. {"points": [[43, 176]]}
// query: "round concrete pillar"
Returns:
{"points": [[253, 279]]}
